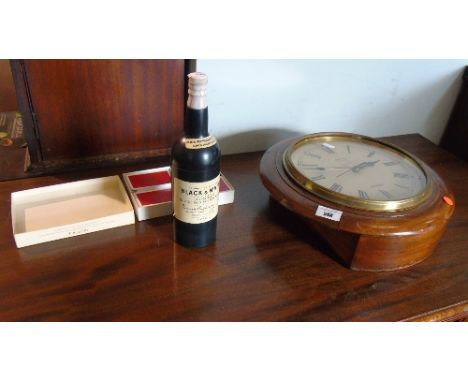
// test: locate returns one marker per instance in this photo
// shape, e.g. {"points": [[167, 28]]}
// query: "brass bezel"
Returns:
{"points": [[350, 201]]}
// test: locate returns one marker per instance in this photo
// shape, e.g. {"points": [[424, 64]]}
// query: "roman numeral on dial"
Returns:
{"points": [[319, 177], [336, 187], [363, 194], [401, 186], [308, 153], [327, 149]]}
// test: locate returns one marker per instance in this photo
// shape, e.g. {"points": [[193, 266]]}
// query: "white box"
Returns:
{"points": [[64, 210]]}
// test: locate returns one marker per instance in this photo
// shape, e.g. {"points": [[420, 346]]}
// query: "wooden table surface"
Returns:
{"points": [[265, 265]]}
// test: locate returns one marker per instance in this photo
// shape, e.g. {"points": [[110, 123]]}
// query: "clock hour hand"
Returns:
{"points": [[353, 169], [313, 167], [338, 167], [359, 167], [368, 164]]}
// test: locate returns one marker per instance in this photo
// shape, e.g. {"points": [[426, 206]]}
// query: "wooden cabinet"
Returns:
{"points": [[7, 88], [89, 113]]}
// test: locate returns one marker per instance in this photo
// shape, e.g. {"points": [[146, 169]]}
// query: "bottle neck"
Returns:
{"points": [[196, 123], [196, 114]]}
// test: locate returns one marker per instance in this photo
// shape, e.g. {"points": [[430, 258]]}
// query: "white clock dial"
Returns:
{"points": [[359, 170]]}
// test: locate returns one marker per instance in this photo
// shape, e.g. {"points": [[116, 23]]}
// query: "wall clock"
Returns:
{"points": [[379, 207]]}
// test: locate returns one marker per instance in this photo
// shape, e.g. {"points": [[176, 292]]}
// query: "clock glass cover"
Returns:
{"points": [[357, 171]]}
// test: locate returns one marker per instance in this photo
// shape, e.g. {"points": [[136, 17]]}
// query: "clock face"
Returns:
{"points": [[357, 171]]}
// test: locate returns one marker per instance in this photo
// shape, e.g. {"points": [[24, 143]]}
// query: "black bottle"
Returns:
{"points": [[195, 170]]}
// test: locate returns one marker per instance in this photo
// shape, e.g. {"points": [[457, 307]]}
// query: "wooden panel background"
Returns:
{"points": [[101, 108], [7, 88]]}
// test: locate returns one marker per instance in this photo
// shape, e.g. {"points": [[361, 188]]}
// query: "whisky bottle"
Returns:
{"points": [[195, 167]]}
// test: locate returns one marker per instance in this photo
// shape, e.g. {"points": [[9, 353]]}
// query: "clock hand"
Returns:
{"points": [[354, 168], [339, 167], [373, 163], [312, 167], [366, 164], [359, 167]]}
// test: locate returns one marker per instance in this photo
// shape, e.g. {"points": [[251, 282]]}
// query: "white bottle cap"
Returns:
{"points": [[197, 84]]}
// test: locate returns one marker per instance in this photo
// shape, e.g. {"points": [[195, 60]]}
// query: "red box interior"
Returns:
{"points": [[223, 186], [150, 179], [155, 197]]}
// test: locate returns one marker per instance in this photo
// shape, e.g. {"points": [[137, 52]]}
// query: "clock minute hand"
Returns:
{"points": [[366, 164], [356, 168], [359, 167], [338, 167]]}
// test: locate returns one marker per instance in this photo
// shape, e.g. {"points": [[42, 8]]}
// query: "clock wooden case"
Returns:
{"points": [[365, 239]]}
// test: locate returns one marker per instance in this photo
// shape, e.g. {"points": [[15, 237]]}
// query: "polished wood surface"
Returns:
{"points": [[365, 240], [265, 265], [89, 112]]}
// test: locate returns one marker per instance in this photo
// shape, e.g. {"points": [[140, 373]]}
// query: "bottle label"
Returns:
{"points": [[196, 202], [200, 143]]}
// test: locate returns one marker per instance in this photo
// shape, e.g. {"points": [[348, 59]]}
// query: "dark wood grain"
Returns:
{"points": [[27, 112], [7, 88], [91, 112], [265, 265]]}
